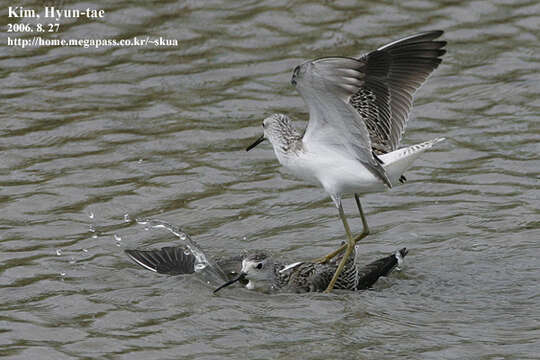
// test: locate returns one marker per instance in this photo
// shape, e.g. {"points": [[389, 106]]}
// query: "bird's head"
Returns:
{"points": [[257, 268], [279, 130]]}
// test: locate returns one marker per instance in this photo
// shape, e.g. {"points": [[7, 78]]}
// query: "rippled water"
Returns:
{"points": [[90, 135]]}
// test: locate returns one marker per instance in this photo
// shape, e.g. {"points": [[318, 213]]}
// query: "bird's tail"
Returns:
{"points": [[369, 274], [398, 161]]}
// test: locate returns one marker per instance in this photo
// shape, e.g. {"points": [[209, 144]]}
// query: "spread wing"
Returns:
{"points": [[327, 85], [167, 260], [361, 106], [393, 73]]}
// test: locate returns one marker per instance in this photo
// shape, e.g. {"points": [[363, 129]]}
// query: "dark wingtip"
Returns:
{"points": [[377, 169], [386, 180]]}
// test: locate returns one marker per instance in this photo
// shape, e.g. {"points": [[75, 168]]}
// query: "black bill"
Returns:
{"points": [[236, 279], [257, 142]]}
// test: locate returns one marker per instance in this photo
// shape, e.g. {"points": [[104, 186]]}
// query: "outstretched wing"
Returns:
{"points": [[361, 106], [168, 260], [392, 75], [327, 85]]}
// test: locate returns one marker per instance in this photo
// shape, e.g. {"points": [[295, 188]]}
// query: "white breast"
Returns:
{"points": [[336, 173]]}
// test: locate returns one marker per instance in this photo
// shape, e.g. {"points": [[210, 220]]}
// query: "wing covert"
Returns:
{"points": [[393, 73]]}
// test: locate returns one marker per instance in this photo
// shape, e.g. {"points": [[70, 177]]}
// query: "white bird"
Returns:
{"points": [[358, 110]]}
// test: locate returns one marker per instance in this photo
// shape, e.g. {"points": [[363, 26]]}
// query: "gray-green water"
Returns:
{"points": [[89, 135]]}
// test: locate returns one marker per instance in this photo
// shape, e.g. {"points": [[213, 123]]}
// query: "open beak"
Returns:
{"points": [[236, 279], [257, 142]]}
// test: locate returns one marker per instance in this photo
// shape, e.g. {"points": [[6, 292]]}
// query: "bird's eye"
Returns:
{"points": [[259, 266], [264, 125]]}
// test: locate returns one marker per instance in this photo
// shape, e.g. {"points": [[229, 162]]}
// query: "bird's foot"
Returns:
{"points": [[361, 236], [333, 254]]}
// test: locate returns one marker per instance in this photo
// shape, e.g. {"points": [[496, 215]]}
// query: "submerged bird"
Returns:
{"points": [[358, 110], [258, 270]]}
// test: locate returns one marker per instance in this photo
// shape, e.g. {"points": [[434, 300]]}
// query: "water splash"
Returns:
{"points": [[199, 267], [203, 264]]}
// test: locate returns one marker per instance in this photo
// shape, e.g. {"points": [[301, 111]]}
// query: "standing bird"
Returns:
{"points": [[358, 110]]}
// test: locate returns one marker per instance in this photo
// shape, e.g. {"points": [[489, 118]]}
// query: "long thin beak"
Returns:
{"points": [[257, 142], [238, 278]]}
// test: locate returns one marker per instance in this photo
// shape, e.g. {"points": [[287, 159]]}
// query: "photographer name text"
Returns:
{"points": [[54, 13]]}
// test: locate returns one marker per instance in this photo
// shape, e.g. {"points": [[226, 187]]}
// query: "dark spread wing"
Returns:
{"points": [[393, 73], [168, 260]]}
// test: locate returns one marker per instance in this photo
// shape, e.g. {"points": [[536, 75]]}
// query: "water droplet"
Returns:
{"points": [[85, 250], [140, 161], [187, 252], [91, 215], [183, 236], [92, 228], [62, 274], [244, 238], [58, 252], [117, 237], [118, 244], [94, 236], [126, 218], [199, 267], [72, 261]]}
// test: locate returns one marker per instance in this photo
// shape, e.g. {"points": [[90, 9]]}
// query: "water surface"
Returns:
{"points": [[90, 135]]}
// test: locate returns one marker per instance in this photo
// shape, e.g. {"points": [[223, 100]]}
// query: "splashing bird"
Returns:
{"points": [[258, 270]]}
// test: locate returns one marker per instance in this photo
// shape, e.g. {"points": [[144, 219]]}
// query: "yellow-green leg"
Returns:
{"points": [[363, 234], [365, 227], [348, 250]]}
